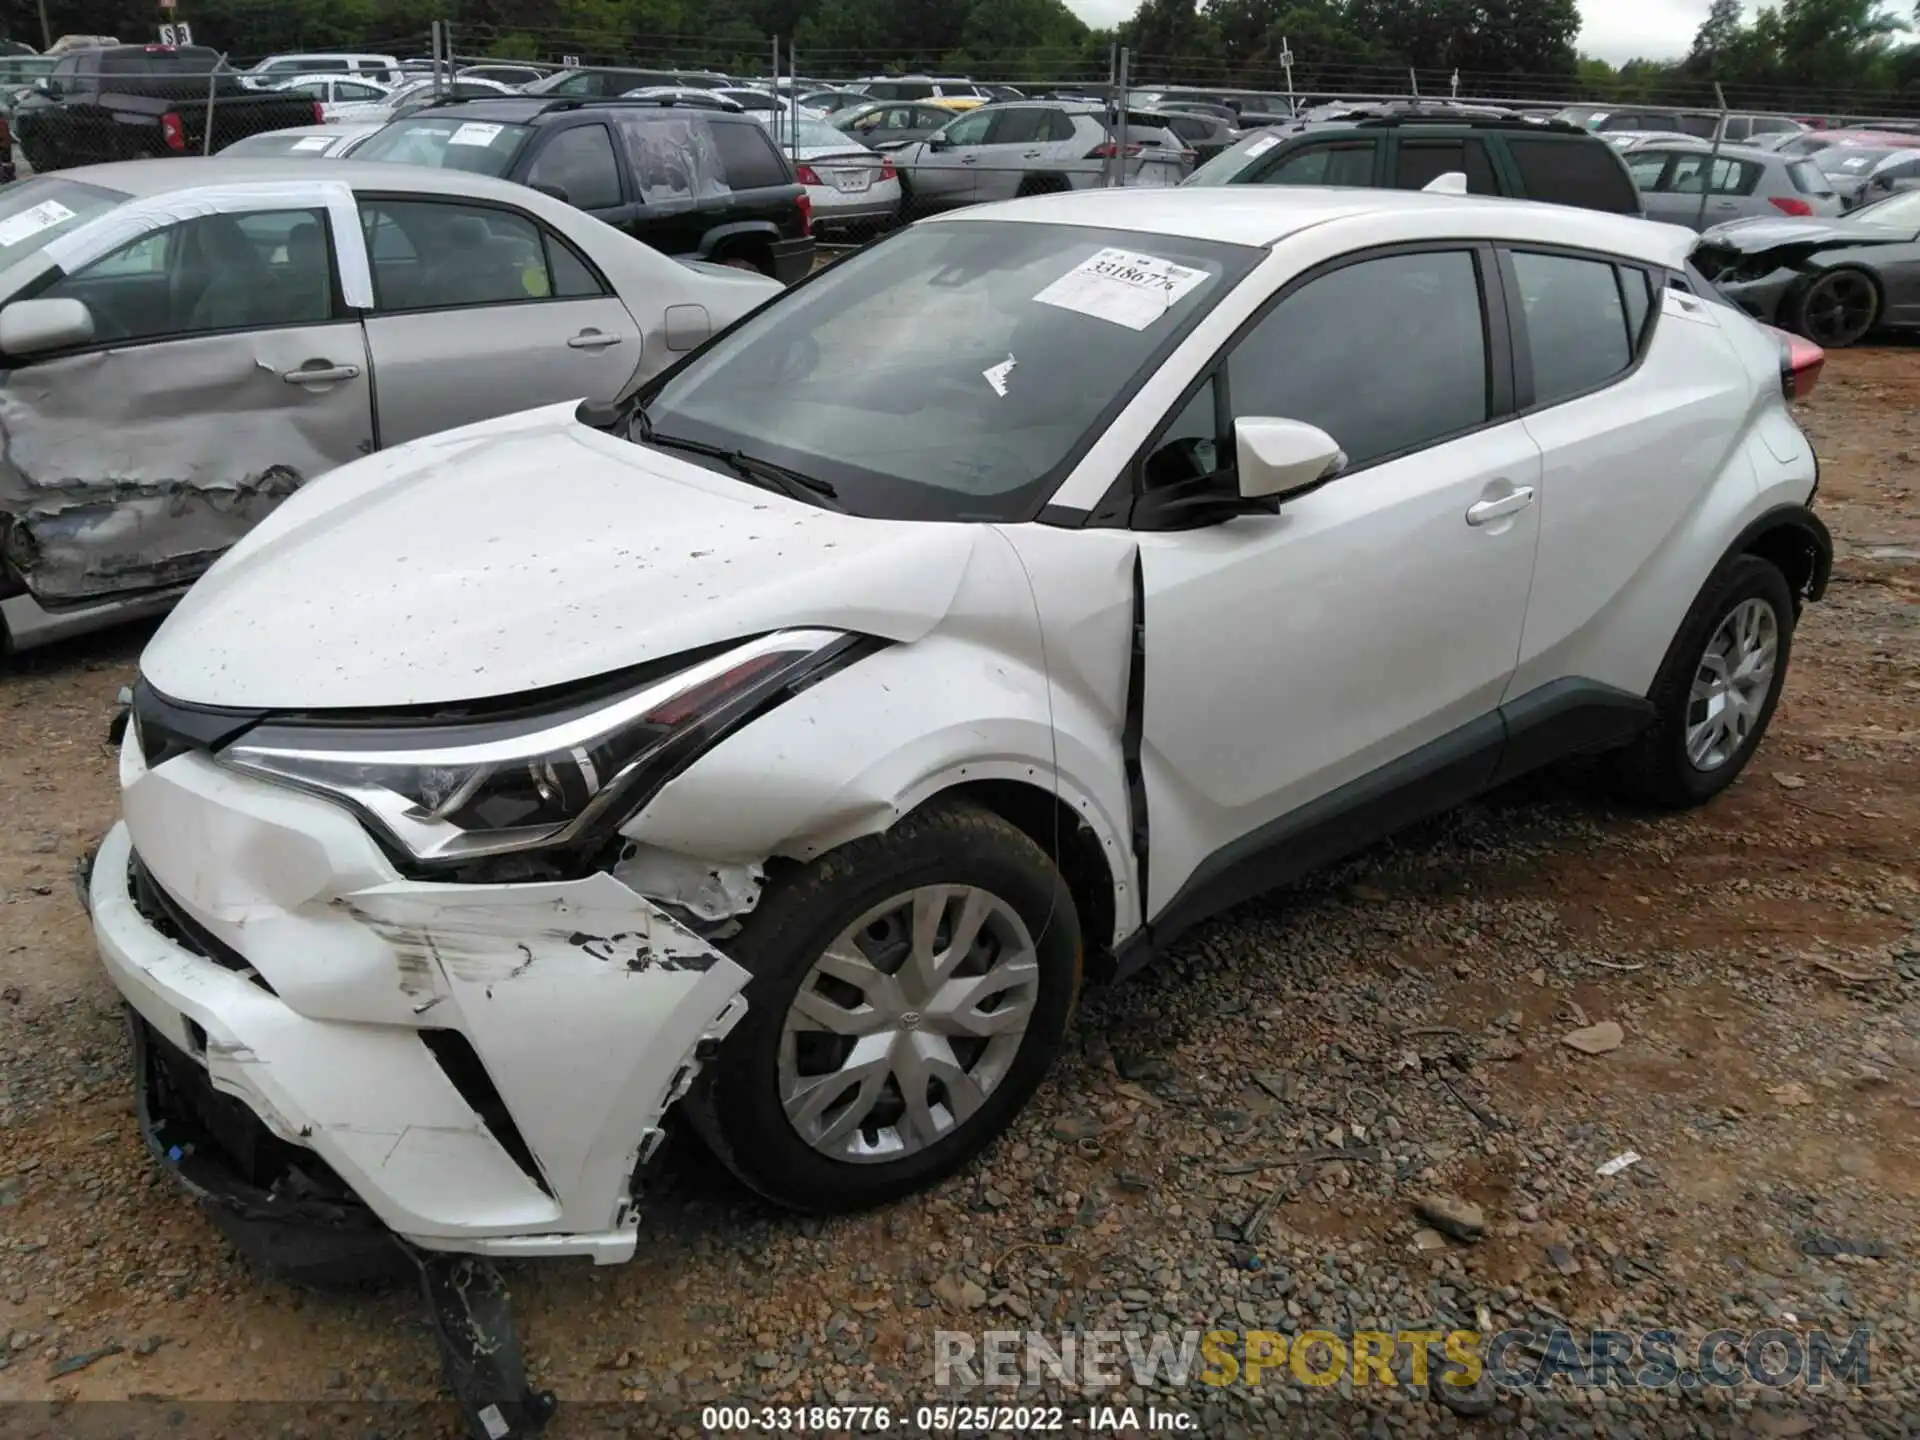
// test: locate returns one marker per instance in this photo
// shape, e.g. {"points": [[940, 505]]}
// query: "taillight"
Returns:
{"points": [[1800, 364], [1108, 150], [1790, 206], [887, 172], [319, 113], [806, 213], [173, 132], [808, 175]]}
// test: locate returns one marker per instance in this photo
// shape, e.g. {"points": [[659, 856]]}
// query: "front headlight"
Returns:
{"points": [[455, 791]]}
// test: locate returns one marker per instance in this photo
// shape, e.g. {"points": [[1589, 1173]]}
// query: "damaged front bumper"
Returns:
{"points": [[472, 1068], [1765, 297]]}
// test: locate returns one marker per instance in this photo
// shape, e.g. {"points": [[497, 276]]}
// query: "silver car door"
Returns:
{"points": [[225, 369], [1015, 148], [480, 310], [940, 170]]}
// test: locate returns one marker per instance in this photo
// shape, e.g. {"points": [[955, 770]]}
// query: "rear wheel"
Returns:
{"points": [[909, 992], [1716, 691], [1838, 309]]}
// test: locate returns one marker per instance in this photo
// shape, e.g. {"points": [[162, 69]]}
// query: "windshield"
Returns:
{"points": [[1897, 212], [1850, 159], [814, 134], [283, 142], [955, 371], [485, 147], [35, 211], [1222, 168]]}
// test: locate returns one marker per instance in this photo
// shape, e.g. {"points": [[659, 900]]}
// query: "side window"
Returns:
{"points": [[1349, 163], [913, 90], [1022, 125], [930, 117], [580, 161], [445, 256], [1059, 126], [969, 129], [585, 83], [1421, 162], [353, 90], [1739, 127], [1573, 171], [1646, 165], [1730, 177], [1578, 328], [573, 278], [748, 158], [1190, 448], [1412, 324], [263, 270], [1636, 287]]}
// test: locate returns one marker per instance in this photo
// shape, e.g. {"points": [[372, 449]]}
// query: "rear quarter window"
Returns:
{"points": [[1573, 172]]}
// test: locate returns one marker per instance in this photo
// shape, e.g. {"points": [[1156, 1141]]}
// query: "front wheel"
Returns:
{"points": [[1838, 309], [909, 992], [1716, 692]]}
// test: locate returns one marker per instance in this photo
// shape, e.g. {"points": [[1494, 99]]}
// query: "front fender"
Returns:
{"points": [[966, 703]]}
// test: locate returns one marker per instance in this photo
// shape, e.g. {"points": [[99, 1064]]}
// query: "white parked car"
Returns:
{"points": [[274, 70], [848, 183], [799, 735], [342, 98]]}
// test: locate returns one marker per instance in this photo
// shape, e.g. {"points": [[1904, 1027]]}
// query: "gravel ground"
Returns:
{"points": [[1236, 1140]]}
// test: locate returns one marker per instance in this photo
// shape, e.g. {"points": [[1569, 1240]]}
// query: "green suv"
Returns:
{"points": [[1407, 149]]}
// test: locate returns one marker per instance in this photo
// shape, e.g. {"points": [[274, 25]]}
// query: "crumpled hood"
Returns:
{"points": [[1751, 236], [522, 553]]}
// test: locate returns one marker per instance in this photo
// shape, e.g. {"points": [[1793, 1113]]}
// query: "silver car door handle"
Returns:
{"points": [[319, 372], [1487, 511], [968, 159], [593, 340], [1031, 155]]}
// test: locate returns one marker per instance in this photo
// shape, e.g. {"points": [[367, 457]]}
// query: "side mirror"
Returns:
{"points": [[558, 192], [33, 327], [939, 142], [1278, 458]]}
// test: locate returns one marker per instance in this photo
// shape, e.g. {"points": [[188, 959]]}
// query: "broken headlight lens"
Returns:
{"points": [[454, 791]]}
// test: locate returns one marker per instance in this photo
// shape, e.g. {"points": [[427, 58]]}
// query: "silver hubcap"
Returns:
{"points": [[908, 1022], [1730, 687]]}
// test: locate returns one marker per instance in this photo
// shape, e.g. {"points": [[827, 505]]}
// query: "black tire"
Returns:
{"points": [[1837, 309], [1656, 767], [1041, 185], [907, 215], [736, 1106]]}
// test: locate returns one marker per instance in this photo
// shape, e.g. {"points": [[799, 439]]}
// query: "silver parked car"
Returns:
{"points": [[195, 339], [1030, 147], [1739, 181], [333, 141]]}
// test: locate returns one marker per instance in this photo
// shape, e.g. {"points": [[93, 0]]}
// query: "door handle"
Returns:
{"points": [[968, 159], [1031, 155], [320, 372], [1488, 511], [592, 340]]}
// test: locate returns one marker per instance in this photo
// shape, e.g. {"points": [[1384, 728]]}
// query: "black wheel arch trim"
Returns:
{"points": [[1809, 527]]}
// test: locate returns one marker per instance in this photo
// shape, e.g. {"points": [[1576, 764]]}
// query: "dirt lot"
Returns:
{"points": [[1389, 1031]]}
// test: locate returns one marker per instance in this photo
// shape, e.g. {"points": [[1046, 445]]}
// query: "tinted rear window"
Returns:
{"points": [[195, 60], [1574, 172], [1807, 178], [748, 156]]}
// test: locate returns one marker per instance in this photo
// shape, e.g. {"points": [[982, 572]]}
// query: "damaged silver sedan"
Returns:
{"points": [[187, 342]]}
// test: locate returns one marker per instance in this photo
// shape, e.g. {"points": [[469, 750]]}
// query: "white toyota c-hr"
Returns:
{"points": [[797, 735]]}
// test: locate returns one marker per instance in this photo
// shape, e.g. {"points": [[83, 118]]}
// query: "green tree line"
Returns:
{"points": [[1823, 55]]}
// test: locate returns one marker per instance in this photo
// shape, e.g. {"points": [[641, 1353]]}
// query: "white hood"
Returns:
{"points": [[521, 553]]}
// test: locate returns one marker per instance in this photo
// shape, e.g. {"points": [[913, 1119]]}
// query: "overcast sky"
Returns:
{"points": [[1614, 30]]}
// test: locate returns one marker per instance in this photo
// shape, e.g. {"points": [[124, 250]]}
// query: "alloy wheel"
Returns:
{"points": [[1839, 309], [907, 1022], [1731, 685]]}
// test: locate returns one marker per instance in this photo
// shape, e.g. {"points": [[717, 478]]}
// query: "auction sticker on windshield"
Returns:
{"points": [[474, 133], [1122, 286], [28, 223], [1262, 145]]}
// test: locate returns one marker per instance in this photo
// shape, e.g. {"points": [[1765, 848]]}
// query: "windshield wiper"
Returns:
{"points": [[764, 473]]}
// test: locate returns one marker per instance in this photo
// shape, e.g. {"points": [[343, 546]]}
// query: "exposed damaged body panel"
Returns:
{"points": [[1769, 267], [116, 476]]}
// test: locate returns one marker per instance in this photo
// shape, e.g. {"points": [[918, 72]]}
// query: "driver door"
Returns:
{"points": [[943, 178], [1320, 675], [224, 373]]}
